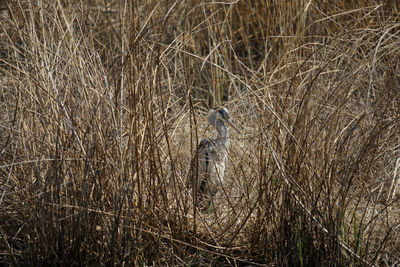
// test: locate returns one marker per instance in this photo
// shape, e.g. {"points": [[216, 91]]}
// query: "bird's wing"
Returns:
{"points": [[203, 144], [201, 157]]}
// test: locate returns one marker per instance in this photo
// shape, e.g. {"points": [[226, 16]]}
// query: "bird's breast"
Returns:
{"points": [[217, 170]]}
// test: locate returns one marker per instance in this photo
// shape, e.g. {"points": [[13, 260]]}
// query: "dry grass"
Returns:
{"points": [[102, 106]]}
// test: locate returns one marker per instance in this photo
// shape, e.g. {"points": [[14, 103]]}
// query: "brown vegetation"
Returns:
{"points": [[102, 106]]}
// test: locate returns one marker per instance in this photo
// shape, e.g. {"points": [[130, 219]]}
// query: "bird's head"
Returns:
{"points": [[222, 114]]}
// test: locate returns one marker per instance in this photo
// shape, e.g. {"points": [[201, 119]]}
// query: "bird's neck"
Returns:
{"points": [[223, 132]]}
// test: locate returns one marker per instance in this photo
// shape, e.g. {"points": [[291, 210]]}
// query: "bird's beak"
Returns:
{"points": [[233, 125]]}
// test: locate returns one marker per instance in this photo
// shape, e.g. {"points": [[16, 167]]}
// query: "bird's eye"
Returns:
{"points": [[223, 113]]}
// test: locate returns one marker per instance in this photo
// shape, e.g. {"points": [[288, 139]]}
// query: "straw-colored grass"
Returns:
{"points": [[102, 105]]}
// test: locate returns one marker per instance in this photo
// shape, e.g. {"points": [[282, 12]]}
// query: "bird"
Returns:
{"points": [[210, 157]]}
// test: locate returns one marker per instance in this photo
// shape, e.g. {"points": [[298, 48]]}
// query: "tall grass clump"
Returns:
{"points": [[102, 105]]}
